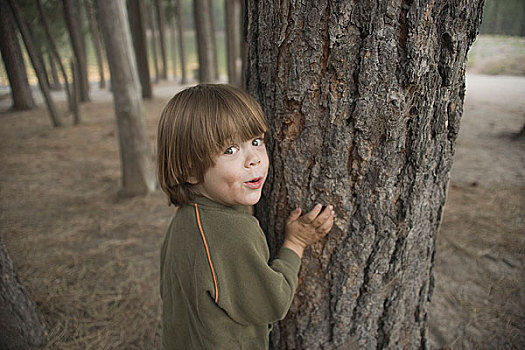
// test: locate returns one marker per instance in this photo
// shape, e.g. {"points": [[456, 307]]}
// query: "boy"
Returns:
{"points": [[218, 289]]}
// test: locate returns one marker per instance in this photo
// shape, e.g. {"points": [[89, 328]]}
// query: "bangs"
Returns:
{"points": [[236, 117]]}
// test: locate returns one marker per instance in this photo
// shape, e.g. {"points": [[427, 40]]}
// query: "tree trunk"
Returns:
{"points": [[75, 91], [233, 40], [202, 14], [54, 51], [364, 101], [54, 73], [95, 36], [22, 326], [14, 61], [151, 21], [159, 8], [180, 26], [138, 177], [214, 39], [173, 42], [140, 44], [39, 70], [74, 26], [39, 55]]}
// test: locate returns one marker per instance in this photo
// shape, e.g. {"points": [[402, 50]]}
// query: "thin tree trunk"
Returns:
{"points": [[140, 44], [173, 43], [214, 40], [180, 26], [22, 26], [95, 36], [54, 51], [233, 40], [201, 11], [75, 91], [22, 326], [74, 26], [54, 72], [159, 8], [138, 177], [364, 102], [151, 20], [39, 54], [13, 61]]}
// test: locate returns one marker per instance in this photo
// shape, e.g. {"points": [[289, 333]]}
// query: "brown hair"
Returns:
{"points": [[195, 126]]}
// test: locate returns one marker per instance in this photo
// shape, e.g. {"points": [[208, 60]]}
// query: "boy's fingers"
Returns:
{"points": [[325, 215], [312, 214], [294, 215], [326, 226]]}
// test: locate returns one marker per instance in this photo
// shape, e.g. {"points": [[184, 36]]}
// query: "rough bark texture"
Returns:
{"points": [[21, 326], [136, 159], [364, 99], [36, 62], [74, 26], [180, 25], [203, 27], [13, 60], [233, 40], [138, 32]]}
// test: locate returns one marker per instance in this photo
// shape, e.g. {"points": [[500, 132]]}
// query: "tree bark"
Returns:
{"points": [[233, 40], [173, 41], [54, 73], [95, 36], [13, 61], [159, 9], [54, 51], [22, 326], [203, 28], [180, 25], [74, 26], [364, 101], [39, 70], [138, 32], [213, 39], [138, 177], [151, 21]]}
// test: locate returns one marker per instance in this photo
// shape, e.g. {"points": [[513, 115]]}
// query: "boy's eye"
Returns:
{"points": [[231, 150], [258, 141]]}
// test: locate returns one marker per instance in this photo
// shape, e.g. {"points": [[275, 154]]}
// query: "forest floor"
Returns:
{"points": [[90, 258]]}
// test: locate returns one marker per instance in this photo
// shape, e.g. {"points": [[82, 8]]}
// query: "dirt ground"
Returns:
{"points": [[90, 259]]}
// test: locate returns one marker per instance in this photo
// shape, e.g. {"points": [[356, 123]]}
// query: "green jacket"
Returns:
{"points": [[218, 289]]}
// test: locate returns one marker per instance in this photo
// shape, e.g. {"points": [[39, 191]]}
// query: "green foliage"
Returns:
{"points": [[504, 17]]}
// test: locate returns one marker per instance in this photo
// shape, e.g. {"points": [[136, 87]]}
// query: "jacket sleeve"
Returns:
{"points": [[251, 290]]}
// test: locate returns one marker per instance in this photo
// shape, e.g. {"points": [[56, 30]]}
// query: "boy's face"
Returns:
{"points": [[238, 175]]}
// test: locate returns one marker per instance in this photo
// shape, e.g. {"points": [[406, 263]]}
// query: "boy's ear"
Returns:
{"points": [[192, 180]]}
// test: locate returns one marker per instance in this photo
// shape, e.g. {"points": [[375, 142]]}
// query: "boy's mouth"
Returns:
{"points": [[255, 183]]}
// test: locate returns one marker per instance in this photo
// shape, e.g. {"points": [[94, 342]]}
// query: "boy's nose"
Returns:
{"points": [[252, 160]]}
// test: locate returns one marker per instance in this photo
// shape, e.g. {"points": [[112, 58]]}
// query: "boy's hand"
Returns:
{"points": [[301, 231]]}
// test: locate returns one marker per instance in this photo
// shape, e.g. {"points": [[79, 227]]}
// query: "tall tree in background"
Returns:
{"points": [[95, 37], [203, 28], [21, 324], [138, 177], [152, 26], [37, 66], [159, 11], [173, 39], [214, 39], [182, 51], [232, 9], [74, 26], [364, 100], [54, 51], [137, 25], [13, 61]]}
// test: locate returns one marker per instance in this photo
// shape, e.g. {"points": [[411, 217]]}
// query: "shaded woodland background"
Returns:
{"points": [[89, 258]]}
